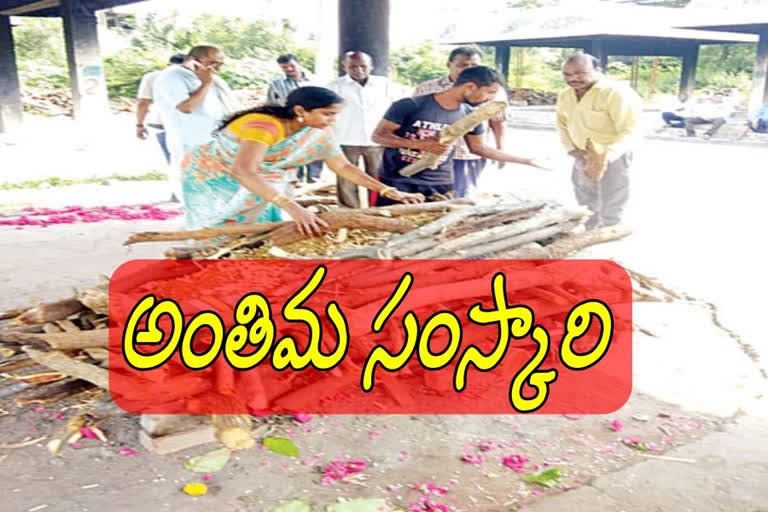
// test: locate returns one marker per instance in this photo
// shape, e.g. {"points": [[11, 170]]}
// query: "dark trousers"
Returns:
{"points": [[161, 140], [311, 171], [691, 122], [160, 135], [762, 126], [346, 191], [414, 188], [673, 120]]}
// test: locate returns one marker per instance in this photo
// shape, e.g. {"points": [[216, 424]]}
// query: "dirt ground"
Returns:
{"points": [[699, 382]]}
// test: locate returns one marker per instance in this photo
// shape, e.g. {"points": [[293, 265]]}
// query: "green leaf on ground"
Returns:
{"points": [[292, 506], [208, 462], [548, 478], [282, 446], [360, 505]]}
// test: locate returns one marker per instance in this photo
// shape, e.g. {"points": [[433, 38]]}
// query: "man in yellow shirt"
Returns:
{"points": [[597, 109]]}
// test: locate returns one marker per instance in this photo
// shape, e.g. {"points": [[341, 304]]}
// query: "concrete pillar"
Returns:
{"points": [[364, 26], [759, 94], [503, 53], [688, 75], [597, 50], [327, 41], [86, 69], [10, 92]]}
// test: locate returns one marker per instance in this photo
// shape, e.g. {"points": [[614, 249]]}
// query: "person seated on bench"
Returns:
{"points": [[758, 122], [712, 111], [676, 116]]}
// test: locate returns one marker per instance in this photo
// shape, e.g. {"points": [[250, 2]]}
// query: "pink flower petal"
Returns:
{"points": [[515, 462], [87, 433], [617, 426], [473, 459], [128, 452], [487, 446], [302, 418]]}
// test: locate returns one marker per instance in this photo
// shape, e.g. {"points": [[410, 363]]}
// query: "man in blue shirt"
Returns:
{"points": [[412, 126], [758, 122]]}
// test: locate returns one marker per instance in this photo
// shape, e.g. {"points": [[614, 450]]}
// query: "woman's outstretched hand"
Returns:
{"points": [[403, 197], [307, 222]]}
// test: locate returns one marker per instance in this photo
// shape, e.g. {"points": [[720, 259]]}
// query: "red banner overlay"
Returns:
{"points": [[370, 336]]}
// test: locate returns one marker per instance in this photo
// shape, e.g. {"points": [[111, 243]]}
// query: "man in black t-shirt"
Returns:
{"points": [[412, 126]]}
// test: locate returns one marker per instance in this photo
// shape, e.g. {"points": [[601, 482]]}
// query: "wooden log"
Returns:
{"points": [[575, 242], [61, 362], [476, 244], [287, 235], [205, 233], [96, 298], [475, 237], [19, 362], [398, 210], [566, 244], [516, 241], [178, 441], [52, 311], [311, 200], [157, 425], [55, 392], [63, 340], [11, 313], [386, 251]]}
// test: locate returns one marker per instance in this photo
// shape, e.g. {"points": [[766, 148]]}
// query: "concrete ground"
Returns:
{"points": [[699, 371]]}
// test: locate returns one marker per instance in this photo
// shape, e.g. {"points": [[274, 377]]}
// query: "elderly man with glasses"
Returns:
{"points": [[192, 100]]}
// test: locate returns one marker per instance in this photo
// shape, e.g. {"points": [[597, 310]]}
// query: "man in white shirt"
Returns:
{"points": [[192, 100], [146, 114], [714, 111], [366, 98], [466, 165]]}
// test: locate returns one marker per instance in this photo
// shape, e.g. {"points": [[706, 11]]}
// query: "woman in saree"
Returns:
{"points": [[246, 173]]}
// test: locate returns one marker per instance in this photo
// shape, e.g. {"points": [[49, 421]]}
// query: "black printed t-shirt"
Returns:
{"points": [[420, 118]]}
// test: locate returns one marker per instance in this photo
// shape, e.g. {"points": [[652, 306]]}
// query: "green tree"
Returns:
{"points": [[414, 64]]}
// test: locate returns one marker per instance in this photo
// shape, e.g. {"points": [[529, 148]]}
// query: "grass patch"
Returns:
{"points": [[61, 182]]}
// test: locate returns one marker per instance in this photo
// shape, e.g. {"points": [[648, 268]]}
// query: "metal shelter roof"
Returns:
{"points": [[50, 8]]}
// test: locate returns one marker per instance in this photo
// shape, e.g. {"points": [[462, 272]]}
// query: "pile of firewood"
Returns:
{"points": [[59, 350], [531, 97], [251, 96], [55, 350], [58, 102], [47, 102], [456, 229]]}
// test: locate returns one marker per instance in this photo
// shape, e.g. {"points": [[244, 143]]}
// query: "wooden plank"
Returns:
{"points": [[173, 443]]}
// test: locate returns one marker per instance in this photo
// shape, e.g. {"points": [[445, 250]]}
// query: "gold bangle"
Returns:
{"points": [[383, 192], [280, 200]]}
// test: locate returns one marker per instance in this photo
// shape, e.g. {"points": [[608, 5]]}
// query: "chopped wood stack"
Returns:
{"points": [[57, 350], [251, 96], [47, 102], [531, 97]]}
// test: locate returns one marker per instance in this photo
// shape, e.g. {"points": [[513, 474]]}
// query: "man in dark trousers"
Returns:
{"points": [[412, 126]]}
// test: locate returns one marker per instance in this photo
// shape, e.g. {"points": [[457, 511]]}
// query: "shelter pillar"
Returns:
{"points": [[759, 94], [688, 75], [597, 49], [10, 91], [86, 69], [364, 26], [503, 54]]}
